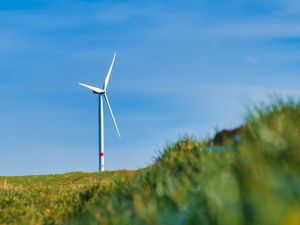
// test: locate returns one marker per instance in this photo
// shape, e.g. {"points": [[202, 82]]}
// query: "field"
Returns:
{"points": [[49, 199], [252, 181]]}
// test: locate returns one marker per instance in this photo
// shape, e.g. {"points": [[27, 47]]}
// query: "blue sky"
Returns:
{"points": [[183, 67]]}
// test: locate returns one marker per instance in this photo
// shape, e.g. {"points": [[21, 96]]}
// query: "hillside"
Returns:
{"points": [[49, 199], [255, 180]]}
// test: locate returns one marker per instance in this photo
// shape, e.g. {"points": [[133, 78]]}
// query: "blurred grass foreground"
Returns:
{"points": [[252, 180]]}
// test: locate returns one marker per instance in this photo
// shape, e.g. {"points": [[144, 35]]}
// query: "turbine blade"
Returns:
{"points": [[95, 89], [112, 115], [109, 73]]}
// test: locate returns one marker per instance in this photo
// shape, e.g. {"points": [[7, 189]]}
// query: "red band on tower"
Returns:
{"points": [[101, 153]]}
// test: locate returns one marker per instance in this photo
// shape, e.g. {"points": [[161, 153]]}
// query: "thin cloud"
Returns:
{"points": [[250, 59]]}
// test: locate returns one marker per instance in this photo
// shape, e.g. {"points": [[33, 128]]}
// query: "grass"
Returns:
{"points": [[49, 199], [254, 181]]}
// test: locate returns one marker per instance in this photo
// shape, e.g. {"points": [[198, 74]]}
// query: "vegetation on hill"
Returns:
{"points": [[49, 199], [255, 180]]}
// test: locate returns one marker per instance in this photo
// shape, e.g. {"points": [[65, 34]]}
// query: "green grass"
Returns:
{"points": [[49, 199], [255, 181]]}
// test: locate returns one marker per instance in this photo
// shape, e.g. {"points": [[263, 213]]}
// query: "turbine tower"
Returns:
{"points": [[102, 94]]}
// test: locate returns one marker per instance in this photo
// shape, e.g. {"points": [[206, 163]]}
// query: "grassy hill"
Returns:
{"points": [[253, 181], [49, 199]]}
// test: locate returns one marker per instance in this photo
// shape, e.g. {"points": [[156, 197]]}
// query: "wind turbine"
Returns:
{"points": [[102, 94]]}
